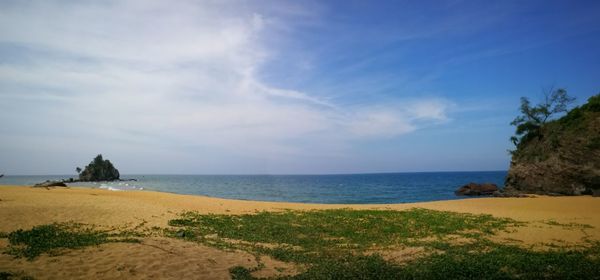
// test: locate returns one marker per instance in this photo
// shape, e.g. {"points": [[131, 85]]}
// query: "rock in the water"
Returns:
{"points": [[477, 189], [99, 170], [564, 159], [50, 184]]}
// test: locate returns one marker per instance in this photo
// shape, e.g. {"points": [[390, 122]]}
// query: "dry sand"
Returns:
{"points": [[25, 207]]}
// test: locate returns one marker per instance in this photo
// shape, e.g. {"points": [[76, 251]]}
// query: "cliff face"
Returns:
{"points": [[564, 158]]}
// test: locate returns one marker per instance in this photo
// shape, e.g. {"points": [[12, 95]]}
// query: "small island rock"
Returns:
{"points": [[99, 170]]}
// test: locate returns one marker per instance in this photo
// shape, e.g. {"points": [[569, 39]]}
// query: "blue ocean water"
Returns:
{"points": [[348, 188]]}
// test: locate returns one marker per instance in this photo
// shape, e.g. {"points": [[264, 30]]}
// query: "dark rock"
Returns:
{"points": [[477, 189], [564, 159], [99, 170], [50, 184], [502, 193]]}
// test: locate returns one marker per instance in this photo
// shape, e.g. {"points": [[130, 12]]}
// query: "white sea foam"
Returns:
{"points": [[110, 188]]}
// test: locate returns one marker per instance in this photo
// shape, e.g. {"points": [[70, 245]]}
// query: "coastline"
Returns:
{"points": [[328, 189], [102, 206], [550, 221]]}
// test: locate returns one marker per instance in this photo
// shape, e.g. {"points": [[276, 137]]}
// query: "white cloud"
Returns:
{"points": [[172, 74], [397, 118]]}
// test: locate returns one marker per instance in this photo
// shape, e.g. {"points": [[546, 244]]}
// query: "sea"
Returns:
{"points": [[378, 188]]}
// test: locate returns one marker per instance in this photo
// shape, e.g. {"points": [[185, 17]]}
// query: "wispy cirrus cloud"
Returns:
{"points": [[158, 77]]}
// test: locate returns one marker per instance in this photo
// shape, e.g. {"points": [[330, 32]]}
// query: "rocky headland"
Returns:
{"points": [[562, 157]]}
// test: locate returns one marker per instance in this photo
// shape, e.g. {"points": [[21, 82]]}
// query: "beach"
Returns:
{"points": [[548, 221], [299, 140]]}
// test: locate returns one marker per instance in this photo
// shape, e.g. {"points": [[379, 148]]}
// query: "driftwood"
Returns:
{"points": [[62, 183], [49, 184]]}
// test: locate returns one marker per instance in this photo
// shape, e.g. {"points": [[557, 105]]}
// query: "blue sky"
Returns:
{"points": [[281, 87]]}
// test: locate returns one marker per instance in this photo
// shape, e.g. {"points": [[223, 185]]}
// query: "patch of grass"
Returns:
{"points": [[333, 244], [3, 234], [496, 261], [14, 276], [334, 230], [54, 237], [353, 267], [240, 273], [490, 261], [243, 273], [48, 238]]}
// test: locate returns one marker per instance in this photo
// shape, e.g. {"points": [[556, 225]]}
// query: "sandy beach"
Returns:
{"points": [[159, 257]]}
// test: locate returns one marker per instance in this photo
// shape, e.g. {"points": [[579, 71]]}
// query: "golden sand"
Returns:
{"points": [[25, 207]]}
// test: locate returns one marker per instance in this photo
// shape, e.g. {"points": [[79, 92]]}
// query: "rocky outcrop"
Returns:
{"points": [[99, 170], [564, 159], [477, 189], [509, 193]]}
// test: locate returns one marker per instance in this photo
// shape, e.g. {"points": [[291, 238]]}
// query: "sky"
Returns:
{"points": [[281, 87]]}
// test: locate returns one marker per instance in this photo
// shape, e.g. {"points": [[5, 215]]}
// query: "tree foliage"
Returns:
{"points": [[533, 117]]}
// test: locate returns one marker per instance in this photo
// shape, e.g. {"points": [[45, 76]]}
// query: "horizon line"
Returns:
{"points": [[271, 174]]}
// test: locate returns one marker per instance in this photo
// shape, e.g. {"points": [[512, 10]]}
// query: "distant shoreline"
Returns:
{"points": [[329, 189], [277, 174]]}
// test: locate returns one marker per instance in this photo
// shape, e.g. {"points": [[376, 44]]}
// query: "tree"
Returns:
{"points": [[533, 117], [78, 169]]}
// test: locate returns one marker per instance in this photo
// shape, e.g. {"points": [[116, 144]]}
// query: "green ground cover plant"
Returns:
{"points": [[4, 275], [53, 238], [339, 244]]}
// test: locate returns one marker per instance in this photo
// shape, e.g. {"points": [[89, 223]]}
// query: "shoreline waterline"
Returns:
{"points": [[475, 205], [142, 190], [330, 189], [23, 206]]}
